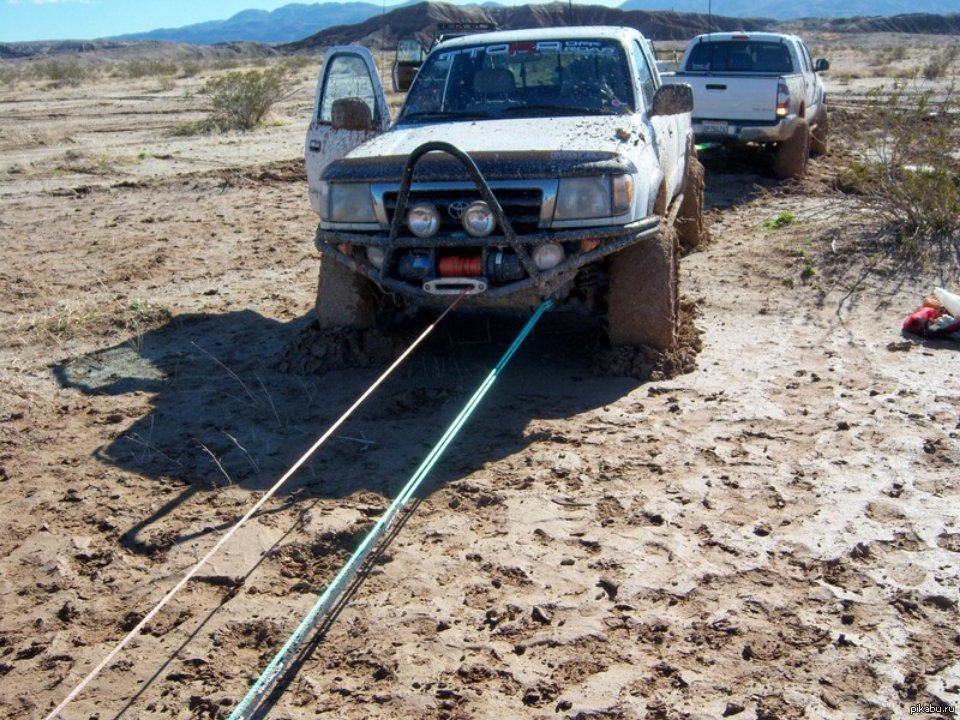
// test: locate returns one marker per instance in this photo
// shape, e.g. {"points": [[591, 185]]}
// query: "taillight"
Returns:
{"points": [[783, 100]]}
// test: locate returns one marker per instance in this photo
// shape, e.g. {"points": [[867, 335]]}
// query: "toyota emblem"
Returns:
{"points": [[456, 208]]}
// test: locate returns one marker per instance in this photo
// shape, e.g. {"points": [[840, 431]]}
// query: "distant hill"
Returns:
{"points": [[790, 11], [94, 51], [285, 24], [914, 23], [420, 21]]}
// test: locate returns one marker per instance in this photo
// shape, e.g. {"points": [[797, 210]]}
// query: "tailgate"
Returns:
{"points": [[734, 98]]}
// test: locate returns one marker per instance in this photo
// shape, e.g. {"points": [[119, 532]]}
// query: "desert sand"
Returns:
{"points": [[774, 534]]}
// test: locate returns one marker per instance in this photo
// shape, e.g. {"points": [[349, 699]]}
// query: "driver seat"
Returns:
{"points": [[497, 82]]}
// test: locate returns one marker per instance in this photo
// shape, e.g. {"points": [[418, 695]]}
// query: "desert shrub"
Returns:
{"points": [[906, 170], [897, 53], [241, 99], [135, 69], [61, 73], [190, 69], [296, 63], [9, 76], [940, 64]]}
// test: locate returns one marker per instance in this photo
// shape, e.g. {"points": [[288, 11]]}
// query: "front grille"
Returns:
{"points": [[520, 205]]}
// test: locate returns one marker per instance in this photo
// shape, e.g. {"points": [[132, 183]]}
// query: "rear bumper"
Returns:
{"points": [[743, 131]]}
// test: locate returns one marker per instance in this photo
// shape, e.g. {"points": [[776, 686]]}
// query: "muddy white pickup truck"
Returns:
{"points": [[522, 165], [757, 88]]}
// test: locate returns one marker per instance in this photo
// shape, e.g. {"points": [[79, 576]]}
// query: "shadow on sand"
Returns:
{"points": [[223, 414]]}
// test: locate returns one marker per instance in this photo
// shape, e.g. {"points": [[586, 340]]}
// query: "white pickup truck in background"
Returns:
{"points": [[757, 88]]}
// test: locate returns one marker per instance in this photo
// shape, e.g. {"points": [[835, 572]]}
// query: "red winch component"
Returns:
{"points": [[460, 266]]}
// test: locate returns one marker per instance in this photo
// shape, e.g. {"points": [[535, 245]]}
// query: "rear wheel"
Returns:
{"points": [[344, 299], [792, 153], [689, 224], [818, 137], [643, 302]]}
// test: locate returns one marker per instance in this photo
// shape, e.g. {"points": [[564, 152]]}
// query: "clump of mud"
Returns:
{"points": [[648, 363], [317, 350]]}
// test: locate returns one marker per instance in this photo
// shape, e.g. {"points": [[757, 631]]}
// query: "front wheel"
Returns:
{"points": [[689, 223], [344, 299], [643, 304], [792, 153]]}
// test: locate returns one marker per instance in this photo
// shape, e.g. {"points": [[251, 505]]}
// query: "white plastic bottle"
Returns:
{"points": [[949, 301]]}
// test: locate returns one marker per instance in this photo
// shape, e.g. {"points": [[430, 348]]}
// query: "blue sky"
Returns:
{"points": [[22, 20], [87, 19]]}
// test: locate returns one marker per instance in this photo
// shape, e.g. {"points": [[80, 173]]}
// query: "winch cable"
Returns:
{"points": [[329, 596], [250, 513]]}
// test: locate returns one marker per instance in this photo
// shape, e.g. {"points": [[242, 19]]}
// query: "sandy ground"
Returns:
{"points": [[774, 535]]}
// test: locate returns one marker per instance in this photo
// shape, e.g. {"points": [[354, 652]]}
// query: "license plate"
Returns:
{"points": [[714, 127]]}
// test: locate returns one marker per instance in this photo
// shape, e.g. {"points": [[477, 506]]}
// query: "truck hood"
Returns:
{"points": [[594, 132], [502, 149]]}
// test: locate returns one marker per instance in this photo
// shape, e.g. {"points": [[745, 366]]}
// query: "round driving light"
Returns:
{"points": [[423, 220], [548, 256], [478, 219], [376, 255]]}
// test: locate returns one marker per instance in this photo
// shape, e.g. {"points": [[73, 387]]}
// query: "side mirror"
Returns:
{"points": [[672, 100], [821, 65], [351, 114]]}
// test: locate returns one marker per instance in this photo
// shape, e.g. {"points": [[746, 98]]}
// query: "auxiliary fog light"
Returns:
{"points": [[478, 219], [548, 256], [376, 255], [423, 220]]}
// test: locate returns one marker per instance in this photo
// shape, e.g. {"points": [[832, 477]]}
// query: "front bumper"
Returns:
{"points": [[582, 246], [546, 282]]}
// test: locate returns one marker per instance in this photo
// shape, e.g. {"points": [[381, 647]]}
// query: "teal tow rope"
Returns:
{"points": [[327, 599]]}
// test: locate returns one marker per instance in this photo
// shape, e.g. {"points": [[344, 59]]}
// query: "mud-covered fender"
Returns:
{"points": [[647, 181]]}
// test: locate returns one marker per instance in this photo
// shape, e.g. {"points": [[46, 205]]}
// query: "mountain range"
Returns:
{"points": [[297, 21], [779, 10]]}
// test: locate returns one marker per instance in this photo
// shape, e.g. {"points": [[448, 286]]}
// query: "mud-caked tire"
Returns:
{"points": [[793, 153], [643, 303], [818, 136], [690, 226], [344, 298]]}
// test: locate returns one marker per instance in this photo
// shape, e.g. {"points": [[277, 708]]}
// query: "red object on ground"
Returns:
{"points": [[917, 322]]}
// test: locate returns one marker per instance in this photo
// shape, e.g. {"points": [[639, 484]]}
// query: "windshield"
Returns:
{"points": [[522, 79], [740, 56]]}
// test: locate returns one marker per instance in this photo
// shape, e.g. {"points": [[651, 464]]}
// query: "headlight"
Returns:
{"points": [[478, 219], [581, 198], [423, 220], [350, 203], [548, 256], [376, 256]]}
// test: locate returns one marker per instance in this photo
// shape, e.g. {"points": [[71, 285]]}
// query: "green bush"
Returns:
{"points": [[906, 169], [780, 221], [242, 99]]}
